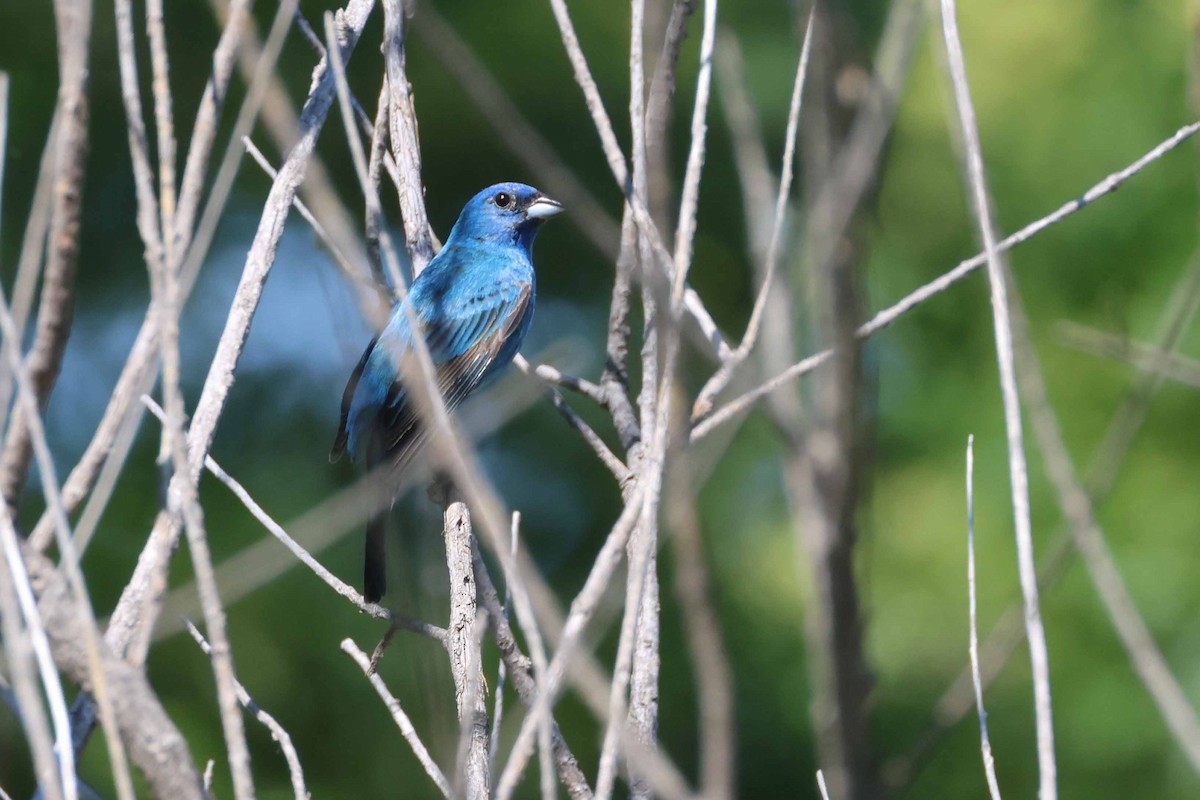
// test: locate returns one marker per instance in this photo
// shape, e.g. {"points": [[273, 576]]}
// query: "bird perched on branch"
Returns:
{"points": [[474, 302]]}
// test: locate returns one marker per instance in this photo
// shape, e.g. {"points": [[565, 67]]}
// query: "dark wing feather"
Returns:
{"points": [[343, 435], [462, 350]]}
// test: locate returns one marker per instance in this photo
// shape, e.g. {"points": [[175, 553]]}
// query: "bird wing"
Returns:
{"points": [[462, 346], [343, 434]]}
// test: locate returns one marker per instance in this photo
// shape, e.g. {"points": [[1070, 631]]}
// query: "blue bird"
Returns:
{"points": [[474, 302]]}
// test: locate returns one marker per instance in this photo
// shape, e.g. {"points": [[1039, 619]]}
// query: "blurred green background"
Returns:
{"points": [[1065, 92]]}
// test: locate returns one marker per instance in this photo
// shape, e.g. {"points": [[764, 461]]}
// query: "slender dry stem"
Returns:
{"points": [[989, 763], [1018, 474]]}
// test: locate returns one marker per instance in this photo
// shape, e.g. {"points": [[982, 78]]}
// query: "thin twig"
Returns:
{"points": [[520, 668], [306, 558], [1099, 478], [710, 660], [821, 785], [138, 608], [33, 248], [164, 124], [339, 258], [1018, 476], [502, 667], [658, 107], [602, 451], [204, 131], [887, 316], [183, 507], [685, 232], [1147, 659], [26, 648], [581, 611], [721, 378], [989, 763], [399, 717], [278, 733], [1173, 366]]}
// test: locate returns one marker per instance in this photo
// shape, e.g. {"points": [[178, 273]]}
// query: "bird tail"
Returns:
{"points": [[375, 561]]}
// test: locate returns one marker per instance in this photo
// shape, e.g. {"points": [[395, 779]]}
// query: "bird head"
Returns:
{"points": [[505, 213]]}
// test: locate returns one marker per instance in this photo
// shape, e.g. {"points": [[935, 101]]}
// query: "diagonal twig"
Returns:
{"points": [[887, 316]]}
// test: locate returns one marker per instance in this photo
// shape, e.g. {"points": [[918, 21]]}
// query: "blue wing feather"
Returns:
{"points": [[471, 330]]}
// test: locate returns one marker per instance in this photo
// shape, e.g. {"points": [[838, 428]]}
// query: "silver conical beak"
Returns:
{"points": [[543, 208]]}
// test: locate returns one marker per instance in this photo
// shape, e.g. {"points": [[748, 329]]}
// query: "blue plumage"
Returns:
{"points": [[474, 301]]}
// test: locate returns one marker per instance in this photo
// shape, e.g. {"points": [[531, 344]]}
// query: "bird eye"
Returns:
{"points": [[503, 200]]}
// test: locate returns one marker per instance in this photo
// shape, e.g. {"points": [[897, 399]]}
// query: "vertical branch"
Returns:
{"points": [[641, 608], [989, 763], [204, 132], [33, 248], [824, 454], [406, 146], [20, 652], [74, 23], [1035, 632], [164, 124], [463, 646], [658, 110], [710, 661], [183, 504]]}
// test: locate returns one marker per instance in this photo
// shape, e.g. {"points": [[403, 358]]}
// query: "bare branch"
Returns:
{"points": [[710, 661], [204, 131], [155, 744], [183, 500], [821, 785], [138, 608], [341, 259], [685, 232], [1143, 652], [278, 733], [164, 124], [55, 309], [721, 378], [989, 763], [1173, 366], [549, 375], [406, 146], [401, 719], [306, 558], [520, 668], [25, 650], [1034, 630], [463, 645], [658, 107], [887, 316], [33, 248]]}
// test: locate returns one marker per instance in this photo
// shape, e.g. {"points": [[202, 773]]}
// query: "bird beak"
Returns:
{"points": [[543, 208]]}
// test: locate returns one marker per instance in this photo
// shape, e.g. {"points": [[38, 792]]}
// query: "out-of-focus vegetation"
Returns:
{"points": [[1066, 92]]}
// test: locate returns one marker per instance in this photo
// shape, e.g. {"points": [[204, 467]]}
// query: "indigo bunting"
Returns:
{"points": [[474, 302]]}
